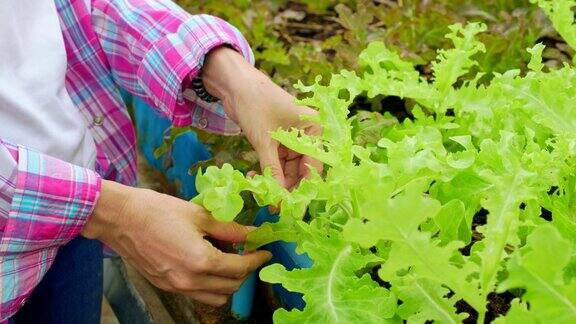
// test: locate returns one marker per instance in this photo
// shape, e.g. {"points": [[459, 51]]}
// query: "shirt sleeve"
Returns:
{"points": [[44, 203], [154, 46]]}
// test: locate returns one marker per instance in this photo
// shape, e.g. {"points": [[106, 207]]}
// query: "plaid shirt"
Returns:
{"points": [[148, 47]]}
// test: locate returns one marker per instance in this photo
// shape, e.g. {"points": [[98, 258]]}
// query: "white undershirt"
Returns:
{"points": [[36, 110]]}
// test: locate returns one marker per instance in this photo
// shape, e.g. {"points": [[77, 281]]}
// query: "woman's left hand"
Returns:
{"points": [[259, 107]]}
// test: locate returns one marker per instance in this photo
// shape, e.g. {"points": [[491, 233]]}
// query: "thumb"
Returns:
{"points": [[269, 158], [228, 232]]}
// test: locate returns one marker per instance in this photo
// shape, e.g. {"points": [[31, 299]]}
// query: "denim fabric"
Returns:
{"points": [[122, 295], [71, 290]]}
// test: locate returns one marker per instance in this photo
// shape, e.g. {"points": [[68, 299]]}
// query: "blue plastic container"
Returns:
{"points": [[186, 150], [284, 253]]}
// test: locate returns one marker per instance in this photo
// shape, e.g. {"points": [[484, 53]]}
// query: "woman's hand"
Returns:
{"points": [[260, 107], [163, 237]]}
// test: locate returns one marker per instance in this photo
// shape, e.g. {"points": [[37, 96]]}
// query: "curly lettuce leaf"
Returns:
{"points": [[539, 267], [456, 62], [333, 288], [216, 183], [562, 17], [424, 300], [398, 220]]}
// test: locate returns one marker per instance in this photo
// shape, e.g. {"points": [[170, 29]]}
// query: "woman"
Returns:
{"points": [[67, 149]]}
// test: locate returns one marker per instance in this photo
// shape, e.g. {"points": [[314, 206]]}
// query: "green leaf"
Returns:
{"points": [[562, 17], [536, 60], [451, 222], [563, 207], [456, 62], [538, 267], [333, 290], [547, 97], [216, 183], [518, 314], [378, 56], [466, 186], [424, 300], [381, 217], [311, 146], [514, 181], [336, 133], [389, 75], [266, 189], [284, 230], [398, 220]]}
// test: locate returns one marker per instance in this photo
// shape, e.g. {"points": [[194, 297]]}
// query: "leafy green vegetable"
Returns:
{"points": [[562, 17], [454, 63], [298, 40], [473, 194], [333, 290], [214, 184], [538, 267], [424, 301]]}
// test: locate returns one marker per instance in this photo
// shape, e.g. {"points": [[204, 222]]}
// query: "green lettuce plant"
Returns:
{"points": [[472, 196], [298, 40]]}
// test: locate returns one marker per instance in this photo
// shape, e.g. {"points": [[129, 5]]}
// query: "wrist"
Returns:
{"points": [[107, 214], [218, 70], [226, 73]]}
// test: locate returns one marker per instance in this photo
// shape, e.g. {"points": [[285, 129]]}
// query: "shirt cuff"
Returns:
{"points": [[174, 57], [51, 203]]}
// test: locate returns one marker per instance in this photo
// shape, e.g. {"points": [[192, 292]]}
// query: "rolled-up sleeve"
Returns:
{"points": [[154, 46], [44, 203]]}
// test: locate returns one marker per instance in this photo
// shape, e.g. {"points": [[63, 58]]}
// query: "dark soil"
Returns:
{"points": [[498, 304]]}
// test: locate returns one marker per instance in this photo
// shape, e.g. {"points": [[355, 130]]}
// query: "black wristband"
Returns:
{"points": [[198, 86]]}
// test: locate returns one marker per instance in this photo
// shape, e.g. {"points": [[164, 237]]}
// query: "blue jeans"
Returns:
{"points": [[71, 290]]}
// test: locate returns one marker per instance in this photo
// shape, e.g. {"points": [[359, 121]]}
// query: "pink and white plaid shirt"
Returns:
{"points": [[148, 47]]}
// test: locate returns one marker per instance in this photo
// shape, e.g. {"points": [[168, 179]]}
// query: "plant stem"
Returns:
{"points": [[481, 317], [355, 206]]}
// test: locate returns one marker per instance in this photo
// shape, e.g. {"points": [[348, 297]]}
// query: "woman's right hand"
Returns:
{"points": [[163, 237]]}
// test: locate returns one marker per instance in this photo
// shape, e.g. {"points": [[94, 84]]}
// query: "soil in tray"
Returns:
{"points": [[185, 310]]}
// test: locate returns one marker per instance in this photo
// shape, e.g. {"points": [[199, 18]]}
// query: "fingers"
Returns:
{"points": [[220, 285], [291, 174], [229, 265], [298, 168], [314, 130], [308, 161], [228, 232], [211, 298], [239, 266], [212, 261], [269, 158], [206, 283]]}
